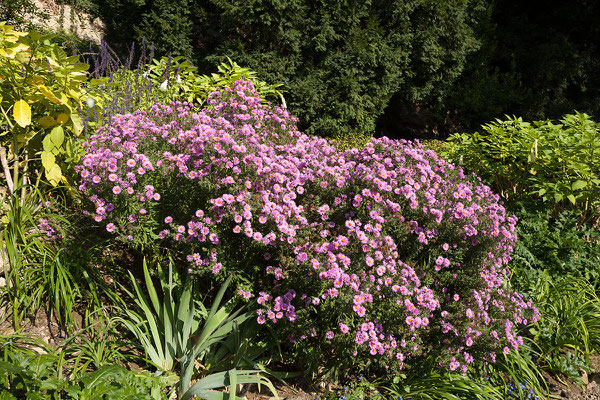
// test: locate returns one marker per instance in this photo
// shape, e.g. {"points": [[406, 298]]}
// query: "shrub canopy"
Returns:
{"points": [[379, 255]]}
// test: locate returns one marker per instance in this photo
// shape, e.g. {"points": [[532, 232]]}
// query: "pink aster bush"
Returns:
{"points": [[387, 255]]}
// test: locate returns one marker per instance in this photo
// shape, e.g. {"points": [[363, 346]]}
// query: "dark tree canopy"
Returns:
{"points": [[340, 61], [347, 65], [539, 59]]}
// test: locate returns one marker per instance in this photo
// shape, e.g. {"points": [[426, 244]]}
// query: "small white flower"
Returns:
{"points": [[178, 78], [90, 102], [163, 86]]}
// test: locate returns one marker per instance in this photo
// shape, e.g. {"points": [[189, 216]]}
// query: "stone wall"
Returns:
{"points": [[63, 17]]}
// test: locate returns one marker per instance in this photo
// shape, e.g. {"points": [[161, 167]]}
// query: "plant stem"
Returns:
{"points": [[4, 162], [16, 162], [25, 178], [14, 133]]}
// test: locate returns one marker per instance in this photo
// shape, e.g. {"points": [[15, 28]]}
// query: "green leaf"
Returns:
{"points": [[48, 160], [47, 143], [57, 135], [80, 66], [204, 388], [558, 197], [579, 184], [571, 198]]}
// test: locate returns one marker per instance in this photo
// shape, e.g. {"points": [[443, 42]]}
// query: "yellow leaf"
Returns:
{"points": [[20, 47], [37, 80], [77, 123], [54, 175], [48, 160], [73, 94], [8, 53], [22, 113], [47, 143], [47, 122], [49, 95], [62, 118], [52, 62]]}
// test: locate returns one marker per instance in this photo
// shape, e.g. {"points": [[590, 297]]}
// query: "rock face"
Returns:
{"points": [[63, 17]]}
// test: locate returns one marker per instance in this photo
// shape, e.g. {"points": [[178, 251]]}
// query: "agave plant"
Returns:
{"points": [[177, 336]]}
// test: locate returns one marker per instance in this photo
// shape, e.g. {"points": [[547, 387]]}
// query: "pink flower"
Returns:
{"points": [[216, 268]]}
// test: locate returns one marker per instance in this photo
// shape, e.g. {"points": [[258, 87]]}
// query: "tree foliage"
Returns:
{"points": [[538, 60], [340, 60], [346, 63]]}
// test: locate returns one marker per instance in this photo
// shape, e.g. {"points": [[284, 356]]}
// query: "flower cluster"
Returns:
{"points": [[50, 229], [382, 254]]}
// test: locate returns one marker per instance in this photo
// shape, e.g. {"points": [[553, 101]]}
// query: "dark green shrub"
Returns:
{"points": [[558, 245], [340, 61]]}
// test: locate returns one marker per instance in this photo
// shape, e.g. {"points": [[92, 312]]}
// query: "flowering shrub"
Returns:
{"points": [[381, 255]]}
